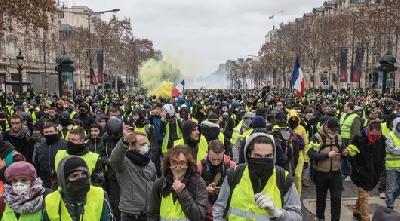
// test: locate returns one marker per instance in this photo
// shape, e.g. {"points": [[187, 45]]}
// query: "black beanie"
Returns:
{"points": [[332, 123], [74, 164]]}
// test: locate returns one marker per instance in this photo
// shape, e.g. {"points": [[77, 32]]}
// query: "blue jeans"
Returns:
{"points": [[346, 167], [392, 187]]}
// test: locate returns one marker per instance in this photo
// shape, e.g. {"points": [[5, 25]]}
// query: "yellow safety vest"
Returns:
{"points": [[90, 158], [236, 133], [221, 137], [92, 209], [392, 160], [72, 115], [202, 150], [170, 210], [243, 206], [385, 129], [164, 147], [346, 123], [9, 215]]}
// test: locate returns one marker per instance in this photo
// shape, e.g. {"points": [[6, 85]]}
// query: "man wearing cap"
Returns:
{"points": [[76, 199], [326, 149]]}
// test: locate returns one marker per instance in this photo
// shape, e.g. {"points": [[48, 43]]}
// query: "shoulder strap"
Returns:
{"points": [[233, 177], [323, 138], [283, 181]]}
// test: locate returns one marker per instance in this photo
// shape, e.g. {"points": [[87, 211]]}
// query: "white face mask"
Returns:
{"points": [[144, 149], [21, 188]]}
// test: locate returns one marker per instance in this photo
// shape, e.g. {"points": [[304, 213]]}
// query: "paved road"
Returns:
{"points": [[349, 197]]}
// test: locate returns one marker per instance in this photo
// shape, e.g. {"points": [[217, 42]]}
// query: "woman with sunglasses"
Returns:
{"points": [[180, 193]]}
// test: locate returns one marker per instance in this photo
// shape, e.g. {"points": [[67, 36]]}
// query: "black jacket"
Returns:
{"points": [[22, 143], [193, 199], [367, 165], [44, 160]]}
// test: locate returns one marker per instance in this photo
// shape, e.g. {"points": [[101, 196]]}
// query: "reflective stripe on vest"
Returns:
{"points": [[90, 158], [164, 147], [9, 215], [346, 123], [202, 147], [92, 209], [170, 210], [391, 160], [243, 205]]}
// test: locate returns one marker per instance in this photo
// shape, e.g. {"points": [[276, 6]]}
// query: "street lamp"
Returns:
{"points": [[20, 62]]}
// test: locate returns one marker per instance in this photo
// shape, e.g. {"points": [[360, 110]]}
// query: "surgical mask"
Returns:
{"points": [[20, 188], [144, 149]]}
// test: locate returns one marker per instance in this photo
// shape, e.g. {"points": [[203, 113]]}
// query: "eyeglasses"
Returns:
{"points": [[181, 164]]}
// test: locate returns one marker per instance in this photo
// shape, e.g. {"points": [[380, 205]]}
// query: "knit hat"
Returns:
{"points": [[74, 164], [332, 123], [258, 122], [20, 169]]}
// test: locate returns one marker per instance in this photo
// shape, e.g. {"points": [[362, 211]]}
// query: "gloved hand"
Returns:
{"points": [[353, 150], [265, 202]]}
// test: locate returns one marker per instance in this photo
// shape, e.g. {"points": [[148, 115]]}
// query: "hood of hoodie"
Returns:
{"points": [[254, 136], [187, 129], [62, 183], [395, 122], [209, 130], [293, 114]]}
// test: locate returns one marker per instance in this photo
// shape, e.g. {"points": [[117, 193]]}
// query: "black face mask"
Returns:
{"points": [[78, 189], [52, 139], [261, 167], [293, 123], [75, 149]]}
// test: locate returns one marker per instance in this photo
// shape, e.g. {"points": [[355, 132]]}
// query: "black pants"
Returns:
{"points": [[112, 188], [131, 217], [331, 181]]}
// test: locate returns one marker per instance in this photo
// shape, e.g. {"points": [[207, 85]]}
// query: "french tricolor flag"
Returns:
{"points": [[297, 80], [178, 89]]}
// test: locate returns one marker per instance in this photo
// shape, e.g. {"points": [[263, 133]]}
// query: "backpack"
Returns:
{"points": [[233, 177]]}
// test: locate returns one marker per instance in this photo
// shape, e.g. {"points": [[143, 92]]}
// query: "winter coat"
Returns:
{"points": [[135, 181], [44, 160], [193, 198], [22, 143], [367, 165]]}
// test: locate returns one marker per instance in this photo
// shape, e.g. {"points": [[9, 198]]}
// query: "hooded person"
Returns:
{"points": [[392, 164], [76, 198], [258, 189], [299, 130], [211, 131], [239, 133], [192, 137], [24, 193]]}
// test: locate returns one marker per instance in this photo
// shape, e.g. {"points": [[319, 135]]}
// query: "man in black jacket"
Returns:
{"points": [[20, 138], [46, 153], [367, 165]]}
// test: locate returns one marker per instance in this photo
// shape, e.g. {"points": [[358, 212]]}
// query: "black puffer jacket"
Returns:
{"points": [[367, 165]]}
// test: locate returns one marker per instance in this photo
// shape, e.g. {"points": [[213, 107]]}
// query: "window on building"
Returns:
{"points": [[358, 1]]}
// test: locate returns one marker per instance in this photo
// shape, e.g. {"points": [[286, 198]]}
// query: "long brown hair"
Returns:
{"points": [[174, 152]]}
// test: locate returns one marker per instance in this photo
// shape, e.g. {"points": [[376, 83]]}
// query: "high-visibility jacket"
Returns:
{"points": [[243, 206], [72, 115], [393, 160], [202, 147], [90, 158], [164, 147], [236, 133], [9, 215], [385, 129], [346, 121], [170, 210], [56, 210]]}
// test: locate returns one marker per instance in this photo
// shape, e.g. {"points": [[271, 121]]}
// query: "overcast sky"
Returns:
{"points": [[201, 34]]}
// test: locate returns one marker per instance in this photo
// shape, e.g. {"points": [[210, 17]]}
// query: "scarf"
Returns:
{"points": [[372, 138], [27, 203], [137, 158]]}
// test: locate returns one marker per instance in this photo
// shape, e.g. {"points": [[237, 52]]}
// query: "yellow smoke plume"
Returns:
{"points": [[158, 77]]}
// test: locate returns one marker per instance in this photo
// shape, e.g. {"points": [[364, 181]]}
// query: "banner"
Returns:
{"points": [[343, 65], [93, 77], [356, 75], [100, 66]]}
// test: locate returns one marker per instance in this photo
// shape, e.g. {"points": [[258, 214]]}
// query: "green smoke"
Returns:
{"points": [[153, 73]]}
